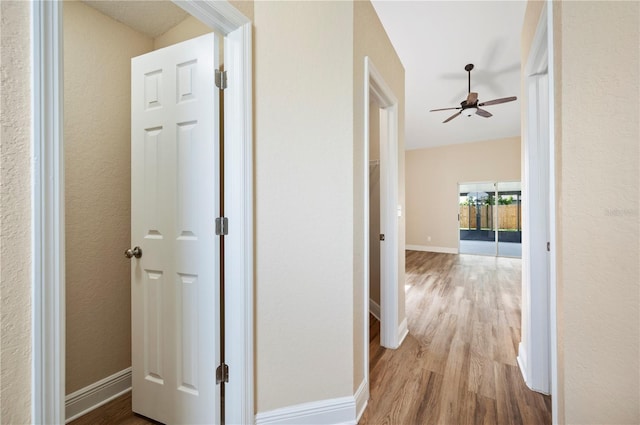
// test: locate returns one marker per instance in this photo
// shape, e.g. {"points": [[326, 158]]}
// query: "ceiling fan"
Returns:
{"points": [[470, 105]]}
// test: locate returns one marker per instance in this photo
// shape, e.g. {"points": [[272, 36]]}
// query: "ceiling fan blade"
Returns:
{"points": [[444, 109], [483, 113], [472, 98], [457, 114], [497, 101]]}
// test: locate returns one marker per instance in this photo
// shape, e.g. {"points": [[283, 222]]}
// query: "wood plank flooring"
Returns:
{"points": [[458, 364]]}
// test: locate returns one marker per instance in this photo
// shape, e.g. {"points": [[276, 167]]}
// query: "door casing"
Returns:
{"points": [[539, 310], [391, 331], [48, 245]]}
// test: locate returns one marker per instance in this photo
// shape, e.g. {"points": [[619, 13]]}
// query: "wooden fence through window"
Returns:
{"points": [[509, 217]]}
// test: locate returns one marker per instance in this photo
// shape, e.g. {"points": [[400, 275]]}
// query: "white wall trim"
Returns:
{"points": [[403, 331], [538, 349], [553, 324], [219, 15], [47, 219], [522, 363], [535, 348], [97, 394], [521, 359], [376, 89], [366, 282], [239, 243], [374, 308], [425, 248], [334, 411], [362, 399], [48, 382]]}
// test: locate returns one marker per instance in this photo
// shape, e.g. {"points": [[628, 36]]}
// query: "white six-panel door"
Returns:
{"points": [[175, 198]]}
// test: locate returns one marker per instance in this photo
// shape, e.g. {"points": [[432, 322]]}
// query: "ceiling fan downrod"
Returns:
{"points": [[468, 68]]}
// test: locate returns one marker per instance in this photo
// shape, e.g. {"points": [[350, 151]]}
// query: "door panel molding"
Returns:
{"points": [[48, 245], [175, 345]]}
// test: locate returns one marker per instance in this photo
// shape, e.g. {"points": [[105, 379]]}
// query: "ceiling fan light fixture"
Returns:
{"points": [[470, 106]]}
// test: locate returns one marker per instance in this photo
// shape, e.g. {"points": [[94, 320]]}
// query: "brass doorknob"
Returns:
{"points": [[135, 252]]}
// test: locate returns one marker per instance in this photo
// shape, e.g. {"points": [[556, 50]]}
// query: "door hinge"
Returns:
{"points": [[381, 236], [221, 79], [222, 374], [549, 246], [222, 226]]}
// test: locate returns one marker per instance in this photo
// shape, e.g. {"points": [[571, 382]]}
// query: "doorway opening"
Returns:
{"points": [[49, 210], [376, 236], [381, 106], [490, 219], [108, 319]]}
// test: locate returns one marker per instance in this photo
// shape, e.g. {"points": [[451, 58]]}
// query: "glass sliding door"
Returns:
{"points": [[490, 218], [477, 220], [509, 206]]}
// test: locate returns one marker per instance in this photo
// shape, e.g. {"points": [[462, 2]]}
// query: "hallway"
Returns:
{"points": [[458, 364]]}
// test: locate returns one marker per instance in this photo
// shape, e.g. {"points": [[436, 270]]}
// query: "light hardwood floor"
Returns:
{"points": [[458, 364]]}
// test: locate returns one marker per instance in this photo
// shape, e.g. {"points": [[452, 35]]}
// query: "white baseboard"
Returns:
{"points": [[362, 398], [95, 395], [442, 249], [521, 362], [326, 412], [521, 359], [522, 372], [374, 308], [403, 331]]}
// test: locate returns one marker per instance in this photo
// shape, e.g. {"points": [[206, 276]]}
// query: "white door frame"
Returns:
{"points": [[48, 245], [537, 354], [377, 90]]}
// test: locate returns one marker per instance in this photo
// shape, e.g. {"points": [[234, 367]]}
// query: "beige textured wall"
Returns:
{"points": [[371, 40], [598, 314], [432, 179], [97, 132], [597, 284], [303, 201], [15, 210], [374, 204], [598, 253], [244, 6]]}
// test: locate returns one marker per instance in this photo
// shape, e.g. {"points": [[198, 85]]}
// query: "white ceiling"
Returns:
{"points": [[435, 40], [149, 17]]}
